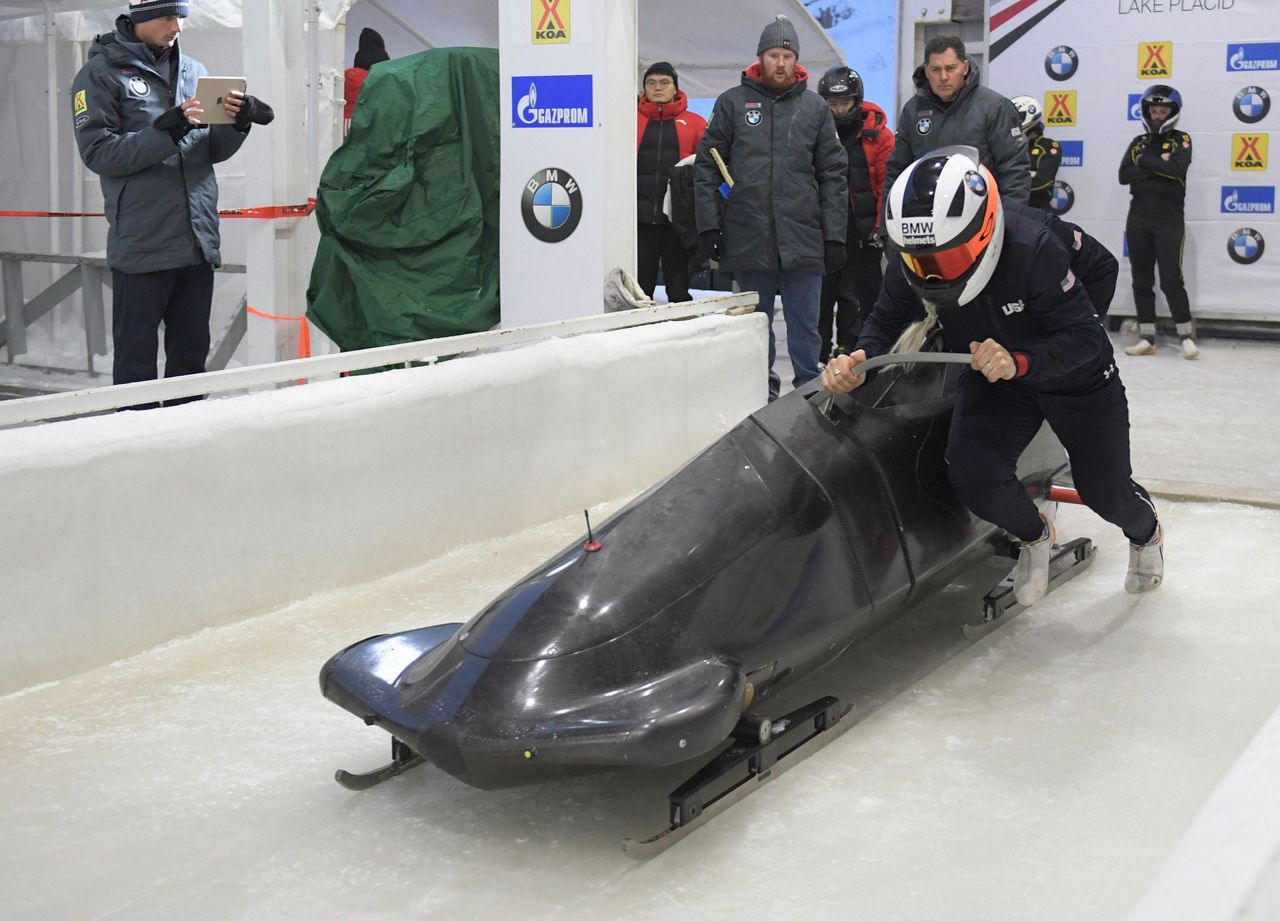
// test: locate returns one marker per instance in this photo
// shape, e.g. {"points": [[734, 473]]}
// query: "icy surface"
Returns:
{"points": [[1046, 770]]}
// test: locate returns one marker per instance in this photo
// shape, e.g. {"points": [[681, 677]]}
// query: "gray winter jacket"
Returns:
{"points": [[789, 168], [978, 116], [161, 198]]}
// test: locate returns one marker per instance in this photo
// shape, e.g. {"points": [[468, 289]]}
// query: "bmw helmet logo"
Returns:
{"points": [[1062, 197], [1061, 63], [551, 204], [1251, 104], [1246, 246], [924, 125]]}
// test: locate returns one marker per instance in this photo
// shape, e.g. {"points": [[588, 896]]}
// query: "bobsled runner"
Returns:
{"points": [[665, 637]]}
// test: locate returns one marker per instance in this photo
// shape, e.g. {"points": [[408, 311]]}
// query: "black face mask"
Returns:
{"points": [[849, 119]]}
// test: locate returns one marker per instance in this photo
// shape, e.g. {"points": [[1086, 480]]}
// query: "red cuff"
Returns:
{"points": [[1021, 364]]}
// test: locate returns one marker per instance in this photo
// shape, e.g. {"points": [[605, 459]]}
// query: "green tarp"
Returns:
{"points": [[408, 206]]}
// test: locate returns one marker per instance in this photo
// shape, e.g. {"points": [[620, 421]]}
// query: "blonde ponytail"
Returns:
{"points": [[913, 336]]}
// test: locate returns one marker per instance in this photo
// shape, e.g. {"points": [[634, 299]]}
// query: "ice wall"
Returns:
{"points": [[121, 532]]}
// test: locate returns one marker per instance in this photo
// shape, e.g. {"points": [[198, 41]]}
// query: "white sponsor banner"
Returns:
{"points": [[567, 70], [1089, 61]]}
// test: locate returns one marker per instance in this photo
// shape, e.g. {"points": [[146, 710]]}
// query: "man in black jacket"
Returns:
{"points": [[1154, 167], [783, 224], [849, 292], [951, 107], [1001, 286]]}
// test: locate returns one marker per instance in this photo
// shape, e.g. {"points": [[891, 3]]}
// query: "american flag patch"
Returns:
{"points": [[1069, 280]]}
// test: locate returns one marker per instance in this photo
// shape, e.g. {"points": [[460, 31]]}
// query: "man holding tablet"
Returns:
{"points": [[140, 127]]}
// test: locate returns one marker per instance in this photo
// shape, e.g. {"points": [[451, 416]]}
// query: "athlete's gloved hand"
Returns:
{"points": [[834, 255], [876, 240], [252, 111], [174, 121], [710, 243]]}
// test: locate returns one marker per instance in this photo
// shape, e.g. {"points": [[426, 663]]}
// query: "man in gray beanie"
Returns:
{"points": [[139, 127], [783, 225]]}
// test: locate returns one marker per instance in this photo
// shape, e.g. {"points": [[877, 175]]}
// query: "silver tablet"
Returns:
{"points": [[210, 91]]}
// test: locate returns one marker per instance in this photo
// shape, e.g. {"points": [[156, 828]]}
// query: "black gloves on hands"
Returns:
{"points": [[253, 111], [175, 122], [710, 243], [835, 256]]}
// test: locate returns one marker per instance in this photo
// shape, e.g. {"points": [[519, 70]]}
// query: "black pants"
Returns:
{"points": [[140, 302], [658, 243], [847, 297], [991, 425], [1157, 241]]}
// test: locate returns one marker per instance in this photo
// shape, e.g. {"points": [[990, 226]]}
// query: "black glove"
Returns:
{"points": [[709, 244], [835, 256], [253, 111], [175, 122], [876, 240]]}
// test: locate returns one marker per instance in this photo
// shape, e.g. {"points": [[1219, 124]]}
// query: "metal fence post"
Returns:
{"points": [[15, 331], [95, 323]]}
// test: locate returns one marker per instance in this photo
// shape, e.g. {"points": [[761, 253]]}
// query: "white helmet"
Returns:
{"points": [[1030, 113], [945, 220]]}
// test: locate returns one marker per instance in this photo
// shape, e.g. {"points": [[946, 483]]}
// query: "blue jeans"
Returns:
{"points": [[801, 293]]}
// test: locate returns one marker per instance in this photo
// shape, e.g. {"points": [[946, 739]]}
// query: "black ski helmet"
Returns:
{"points": [[842, 82], [1161, 95]]}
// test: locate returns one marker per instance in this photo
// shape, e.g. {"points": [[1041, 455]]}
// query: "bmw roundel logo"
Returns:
{"points": [[1251, 104], [138, 86], [1061, 63], [753, 117], [924, 125], [1246, 246], [977, 185], [1062, 197], [551, 204]]}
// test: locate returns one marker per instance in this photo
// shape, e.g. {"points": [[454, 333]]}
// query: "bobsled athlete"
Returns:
{"points": [[1000, 284]]}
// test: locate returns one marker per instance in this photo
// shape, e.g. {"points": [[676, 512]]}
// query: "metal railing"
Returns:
{"points": [[88, 274], [429, 351]]}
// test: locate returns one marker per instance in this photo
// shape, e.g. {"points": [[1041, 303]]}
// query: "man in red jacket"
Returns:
{"points": [[666, 133], [868, 142]]}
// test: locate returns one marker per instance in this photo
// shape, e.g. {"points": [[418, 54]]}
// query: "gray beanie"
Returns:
{"points": [[779, 34]]}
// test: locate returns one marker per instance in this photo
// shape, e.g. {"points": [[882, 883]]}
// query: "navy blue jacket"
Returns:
{"points": [[1033, 306], [161, 198]]}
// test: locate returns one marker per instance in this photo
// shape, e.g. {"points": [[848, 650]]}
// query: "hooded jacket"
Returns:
{"points": [[160, 197], [665, 135], [979, 117], [868, 144], [790, 192]]}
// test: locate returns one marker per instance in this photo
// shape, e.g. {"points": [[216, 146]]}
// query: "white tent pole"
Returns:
{"points": [[313, 95], [51, 74]]}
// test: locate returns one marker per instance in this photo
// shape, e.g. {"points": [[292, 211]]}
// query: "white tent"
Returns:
{"points": [[279, 46]]}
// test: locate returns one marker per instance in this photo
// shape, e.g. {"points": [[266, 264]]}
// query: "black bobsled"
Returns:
{"points": [[798, 533]]}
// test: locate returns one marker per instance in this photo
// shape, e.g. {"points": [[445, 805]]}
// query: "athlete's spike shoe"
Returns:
{"points": [[1143, 346], [1146, 564], [1031, 575], [1189, 348]]}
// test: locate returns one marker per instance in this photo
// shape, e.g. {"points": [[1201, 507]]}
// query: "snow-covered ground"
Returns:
{"points": [[1045, 771]]}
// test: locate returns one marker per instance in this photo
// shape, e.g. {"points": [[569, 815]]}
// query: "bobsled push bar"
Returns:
{"points": [[894, 358], [760, 747]]}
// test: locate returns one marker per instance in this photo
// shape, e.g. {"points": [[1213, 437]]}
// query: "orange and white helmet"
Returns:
{"points": [[946, 223]]}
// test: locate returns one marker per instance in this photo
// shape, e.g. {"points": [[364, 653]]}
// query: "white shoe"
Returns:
{"points": [[1146, 564], [1031, 575], [1189, 348], [1141, 347]]}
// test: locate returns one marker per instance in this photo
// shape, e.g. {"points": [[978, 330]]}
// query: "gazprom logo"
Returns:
{"points": [[1072, 153], [1255, 56], [1248, 199], [1135, 107], [562, 101]]}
